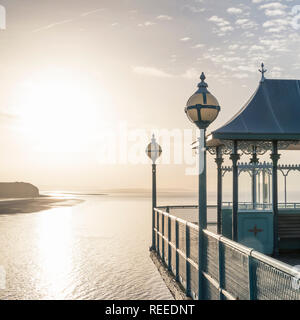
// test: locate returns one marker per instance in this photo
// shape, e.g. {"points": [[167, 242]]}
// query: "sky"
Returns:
{"points": [[81, 80]]}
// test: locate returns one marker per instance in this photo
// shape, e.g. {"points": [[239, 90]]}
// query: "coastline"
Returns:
{"points": [[31, 205]]}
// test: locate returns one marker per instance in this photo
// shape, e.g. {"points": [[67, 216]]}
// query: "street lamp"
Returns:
{"points": [[153, 151], [202, 109]]}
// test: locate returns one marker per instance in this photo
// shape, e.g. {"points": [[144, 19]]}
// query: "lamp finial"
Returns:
{"points": [[153, 140], [202, 84]]}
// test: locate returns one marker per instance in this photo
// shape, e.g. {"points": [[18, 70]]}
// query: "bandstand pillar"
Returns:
{"points": [[235, 190], [254, 160], [275, 157], [219, 160]]}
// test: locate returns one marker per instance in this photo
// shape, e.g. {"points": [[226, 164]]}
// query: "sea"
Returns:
{"points": [[98, 249]]}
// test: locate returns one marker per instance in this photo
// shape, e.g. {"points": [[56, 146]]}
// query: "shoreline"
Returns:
{"points": [[32, 205]]}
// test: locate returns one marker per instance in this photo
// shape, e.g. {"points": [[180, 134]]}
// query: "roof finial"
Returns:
{"points": [[262, 71], [202, 84]]}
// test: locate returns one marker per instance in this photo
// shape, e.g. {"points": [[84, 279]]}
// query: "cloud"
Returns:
{"points": [[248, 34], [234, 10], [271, 13], [256, 48], [273, 6], [279, 45], [151, 71], [223, 25], [85, 14], [276, 25], [246, 23], [199, 45], [146, 24], [233, 47], [173, 58], [191, 74], [185, 39], [164, 17], [240, 75], [276, 72], [194, 9], [52, 25], [219, 21], [273, 9]]}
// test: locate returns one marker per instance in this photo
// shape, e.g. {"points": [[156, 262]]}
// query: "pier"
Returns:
{"points": [[230, 270], [252, 250]]}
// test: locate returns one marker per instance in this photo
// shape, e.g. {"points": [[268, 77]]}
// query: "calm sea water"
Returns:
{"points": [[98, 249]]}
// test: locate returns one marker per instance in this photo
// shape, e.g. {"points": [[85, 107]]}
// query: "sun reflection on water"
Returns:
{"points": [[55, 251]]}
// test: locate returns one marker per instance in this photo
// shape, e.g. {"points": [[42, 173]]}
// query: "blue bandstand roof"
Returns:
{"points": [[272, 113]]}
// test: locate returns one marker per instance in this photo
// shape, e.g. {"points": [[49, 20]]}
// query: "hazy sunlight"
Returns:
{"points": [[60, 111]]}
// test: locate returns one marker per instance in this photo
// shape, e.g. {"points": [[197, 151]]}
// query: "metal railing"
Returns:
{"points": [[242, 206], [229, 270], [262, 206]]}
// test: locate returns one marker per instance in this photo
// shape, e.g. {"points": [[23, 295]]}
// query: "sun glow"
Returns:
{"points": [[60, 111]]}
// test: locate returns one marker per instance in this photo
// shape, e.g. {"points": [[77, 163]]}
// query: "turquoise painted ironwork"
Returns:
{"points": [[212, 266], [255, 230], [232, 271], [202, 109], [153, 151]]}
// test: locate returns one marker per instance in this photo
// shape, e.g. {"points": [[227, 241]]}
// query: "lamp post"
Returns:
{"points": [[202, 109], [153, 151]]}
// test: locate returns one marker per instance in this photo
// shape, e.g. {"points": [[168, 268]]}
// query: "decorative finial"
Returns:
{"points": [[202, 84], [262, 71], [153, 140]]}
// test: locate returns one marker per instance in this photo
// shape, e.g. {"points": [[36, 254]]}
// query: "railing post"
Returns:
{"points": [[154, 235], [221, 267], [252, 293], [162, 238], [169, 245], [177, 245], [187, 254], [157, 235]]}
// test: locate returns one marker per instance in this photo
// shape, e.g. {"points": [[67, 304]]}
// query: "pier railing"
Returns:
{"points": [[242, 205], [229, 270], [262, 206]]}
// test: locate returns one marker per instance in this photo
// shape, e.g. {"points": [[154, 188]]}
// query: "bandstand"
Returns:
{"points": [[269, 122]]}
